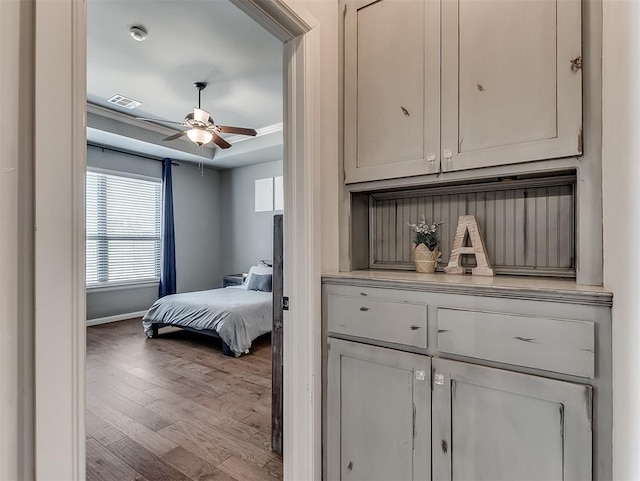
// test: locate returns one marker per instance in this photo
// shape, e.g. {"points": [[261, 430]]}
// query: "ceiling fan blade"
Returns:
{"points": [[159, 121], [236, 130], [220, 142], [201, 115], [175, 136]]}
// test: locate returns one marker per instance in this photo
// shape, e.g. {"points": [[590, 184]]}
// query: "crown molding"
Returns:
{"points": [[269, 129], [128, 119], [164, 130]]}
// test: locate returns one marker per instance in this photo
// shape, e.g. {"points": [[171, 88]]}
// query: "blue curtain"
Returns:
{"points": [[167, 235]]}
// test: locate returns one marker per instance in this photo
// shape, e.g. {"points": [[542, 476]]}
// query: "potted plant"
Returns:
{"points": [[425, 251]]}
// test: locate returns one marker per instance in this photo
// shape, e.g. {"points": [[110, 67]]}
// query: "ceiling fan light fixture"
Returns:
{"points": [[201, 116], [199, 136], [202, 129]]}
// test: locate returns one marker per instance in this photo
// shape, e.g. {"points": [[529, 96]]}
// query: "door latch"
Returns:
{"points": [[285, 303]]}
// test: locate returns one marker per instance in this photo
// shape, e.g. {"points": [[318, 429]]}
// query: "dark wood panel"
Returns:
{"points": [[233, 445], [259, 422], [274, 468], [111, 384], [174, 408], [277, 336], [262, 441], [100, 430], [150, 466], [93, 476], [243, 470], [108, 371], [129, 426], [194, 466], [145, 416], [197, 441], [106, 465], [185, 409]]}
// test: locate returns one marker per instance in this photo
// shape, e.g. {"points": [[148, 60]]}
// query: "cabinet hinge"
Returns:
{"points": [[580, 146], [414, 425], [588, 393], [433, 373]]}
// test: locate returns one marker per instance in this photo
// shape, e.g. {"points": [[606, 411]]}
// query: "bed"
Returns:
{"points": [[235, 314]]}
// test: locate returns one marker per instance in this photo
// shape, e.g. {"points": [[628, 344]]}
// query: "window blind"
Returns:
{"points": [[123, 216]]}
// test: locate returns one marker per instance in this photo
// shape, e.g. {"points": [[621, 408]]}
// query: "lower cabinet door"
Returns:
{"points": [[495, 425], [378, 414]]}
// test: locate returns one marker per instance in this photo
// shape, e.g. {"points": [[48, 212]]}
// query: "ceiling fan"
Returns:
{"points": [[201, 127]]}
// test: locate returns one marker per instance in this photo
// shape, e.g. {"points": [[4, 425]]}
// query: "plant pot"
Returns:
{"points": [[424, 259]]}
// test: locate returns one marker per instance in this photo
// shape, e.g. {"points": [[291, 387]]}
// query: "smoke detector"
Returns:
{"points": [[138, 32]]}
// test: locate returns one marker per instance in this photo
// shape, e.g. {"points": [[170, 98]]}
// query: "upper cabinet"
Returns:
{"points": [[449, 85], [392, 88], [511, 81]]}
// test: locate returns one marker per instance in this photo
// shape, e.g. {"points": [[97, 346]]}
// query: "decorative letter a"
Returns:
{"points": [[467, 224]]}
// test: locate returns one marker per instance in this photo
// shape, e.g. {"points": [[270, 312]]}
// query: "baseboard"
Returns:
{"points": [[116, 318]]}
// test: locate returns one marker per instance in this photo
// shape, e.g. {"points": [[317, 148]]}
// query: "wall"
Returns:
{"points": [[326, 12], [304, 409], [197, 203], [247, 235], [621, 196], [196, 215], [16, 242]]}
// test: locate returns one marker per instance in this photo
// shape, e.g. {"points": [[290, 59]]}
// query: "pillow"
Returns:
{"points": [[261, 269], [258, 269], [260, 282]]}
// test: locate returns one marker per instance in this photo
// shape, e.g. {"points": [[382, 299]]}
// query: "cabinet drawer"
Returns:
{"points": [[398, 322], [558, 345]]}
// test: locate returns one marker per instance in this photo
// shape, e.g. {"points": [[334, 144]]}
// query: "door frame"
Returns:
{"points": [[60, 166]]}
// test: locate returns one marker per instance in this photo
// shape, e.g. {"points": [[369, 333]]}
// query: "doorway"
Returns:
{"points": [[60, 166], [179, 382]]}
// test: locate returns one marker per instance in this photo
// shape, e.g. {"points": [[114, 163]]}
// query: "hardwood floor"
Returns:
{"points": [[175, 408]]}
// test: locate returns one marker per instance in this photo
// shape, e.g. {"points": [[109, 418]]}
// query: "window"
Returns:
{"points": [[123, 229]]}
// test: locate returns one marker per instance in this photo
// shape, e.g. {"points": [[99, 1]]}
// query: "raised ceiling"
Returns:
{"points": [[187, 41]]}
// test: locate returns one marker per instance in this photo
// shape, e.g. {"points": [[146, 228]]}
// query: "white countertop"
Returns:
{"points": [[520, 287]]}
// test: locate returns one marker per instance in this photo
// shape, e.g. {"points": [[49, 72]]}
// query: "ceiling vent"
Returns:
{"points": [[122, 101]]}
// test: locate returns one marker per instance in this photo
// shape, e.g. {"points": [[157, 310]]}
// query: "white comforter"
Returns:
{"points": [[237, 315]]}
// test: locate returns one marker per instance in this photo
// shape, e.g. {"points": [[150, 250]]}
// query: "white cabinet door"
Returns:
{"points": [[378, 414], [391, 88], [511, 81], [495, 425]]}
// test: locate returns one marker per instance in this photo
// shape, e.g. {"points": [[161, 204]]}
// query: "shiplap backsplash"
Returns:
{"points": [[528, 226]]}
